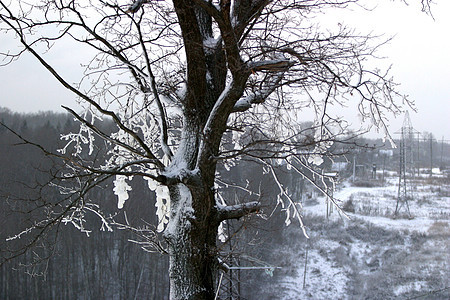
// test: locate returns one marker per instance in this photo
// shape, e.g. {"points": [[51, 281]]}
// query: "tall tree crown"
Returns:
{"points": [[181, 78]]}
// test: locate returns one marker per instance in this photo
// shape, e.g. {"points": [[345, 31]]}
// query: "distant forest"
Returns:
{"points": [[66, 264], [104, 265]]}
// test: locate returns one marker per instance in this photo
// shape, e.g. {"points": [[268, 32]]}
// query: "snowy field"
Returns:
{"points": [[372, 255]]}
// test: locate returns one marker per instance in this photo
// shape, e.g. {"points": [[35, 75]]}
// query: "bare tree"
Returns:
{"points": [[193, 87]]}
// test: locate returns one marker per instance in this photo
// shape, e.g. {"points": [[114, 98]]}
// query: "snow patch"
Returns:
{"points": [[162, 206], [221, 233], [181, 212], [317, 284], [409, 287], [121, 189]]}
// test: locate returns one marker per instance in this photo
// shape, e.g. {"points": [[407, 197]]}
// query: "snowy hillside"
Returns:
{"points": [[373, 255]]}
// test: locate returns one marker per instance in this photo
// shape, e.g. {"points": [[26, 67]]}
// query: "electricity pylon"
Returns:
{"points": [[406, 165]]}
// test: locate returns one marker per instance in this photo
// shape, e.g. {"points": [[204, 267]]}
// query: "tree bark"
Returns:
{"points": [[191, 236], [191, 233]]}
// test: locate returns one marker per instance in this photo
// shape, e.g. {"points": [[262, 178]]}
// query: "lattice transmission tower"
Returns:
{"points": [[406, 168]]}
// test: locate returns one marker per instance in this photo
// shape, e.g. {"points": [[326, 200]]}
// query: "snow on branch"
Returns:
{"points": [[147, 237], [260, 96], [136, 5], [237, 211], [121, 188], [246, 102], [284, 195], [322, 189]]}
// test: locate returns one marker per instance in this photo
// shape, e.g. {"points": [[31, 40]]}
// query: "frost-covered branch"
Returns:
{"points": [[148, 238], [321, 188], [19, 31], [112, 140], [136, 5], [237, 211], [270, 85], [290, 205], [162, 112]]}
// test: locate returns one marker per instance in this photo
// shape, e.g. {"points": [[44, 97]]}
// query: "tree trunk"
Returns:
{"points": [[191, 236]]}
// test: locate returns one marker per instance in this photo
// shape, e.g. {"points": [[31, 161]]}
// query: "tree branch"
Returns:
{"points": [[260, 96], [237, 211], [76, 91], [162, 113], [195, 56], [275, 65]]}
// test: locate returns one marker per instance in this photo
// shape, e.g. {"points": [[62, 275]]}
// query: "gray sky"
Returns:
{"points": [[419, 53]]}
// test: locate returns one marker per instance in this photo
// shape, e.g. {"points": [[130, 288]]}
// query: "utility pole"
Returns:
{"points": [[431, 155], [354, 167], [418, 156]]}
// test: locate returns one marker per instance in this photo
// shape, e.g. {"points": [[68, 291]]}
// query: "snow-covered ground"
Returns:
{"points": [[377, 205], [374, 255]]}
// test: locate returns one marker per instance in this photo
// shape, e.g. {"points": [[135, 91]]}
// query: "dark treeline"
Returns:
{"points": [[104, 265]]}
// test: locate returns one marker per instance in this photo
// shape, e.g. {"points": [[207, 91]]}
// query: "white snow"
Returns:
{"points": [[323, 280], [221, 233], [210, 44], [328, 278], [181, 213], [382, 200], [315, 159], [121, 189], [152, 184], [412, 286], [162, 206]]}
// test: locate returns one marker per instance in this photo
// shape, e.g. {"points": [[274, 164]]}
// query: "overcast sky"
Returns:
{"points": [[419, 53]]}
